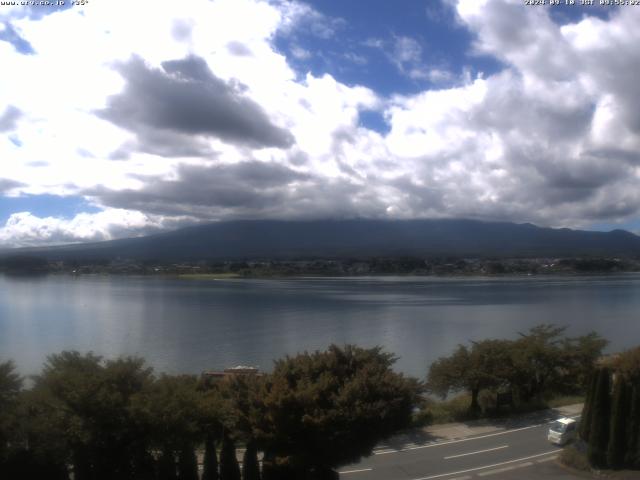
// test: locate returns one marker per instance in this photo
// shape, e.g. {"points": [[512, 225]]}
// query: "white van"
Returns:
{"points": [[562, 431]]}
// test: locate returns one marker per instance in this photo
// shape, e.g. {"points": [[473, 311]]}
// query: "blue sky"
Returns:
{"points": [[226, 109]]}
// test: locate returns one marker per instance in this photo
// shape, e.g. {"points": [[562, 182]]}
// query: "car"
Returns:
{"points": [[562, 431]]}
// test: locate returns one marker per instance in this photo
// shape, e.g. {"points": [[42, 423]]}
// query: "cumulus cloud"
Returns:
{"points": [[299, 15], [207, 120], [24, 229]]}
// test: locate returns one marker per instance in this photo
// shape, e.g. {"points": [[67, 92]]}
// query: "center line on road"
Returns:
{"points": [[479, 451], [449, 442], [487, 466]]}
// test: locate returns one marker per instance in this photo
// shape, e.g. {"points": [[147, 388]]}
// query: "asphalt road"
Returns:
{"points": [[514, 453]]}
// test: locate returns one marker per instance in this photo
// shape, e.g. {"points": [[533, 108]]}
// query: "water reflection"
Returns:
{"points": [[188, 326]]}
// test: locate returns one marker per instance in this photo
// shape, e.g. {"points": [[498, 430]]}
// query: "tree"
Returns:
{"points": [[488, 364], [210, 462], [539, 358], [169, 411], [250, 466], [330, 408], [187, 463], [587, 409], [599, 431], [66, 391], [616, 449], [627, 364], [90, 401], [580, 355], [167, 465], [448, 374], [632, 456], [10, 386], [229, 468]]}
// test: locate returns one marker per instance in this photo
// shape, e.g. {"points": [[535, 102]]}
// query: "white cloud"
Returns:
{"points": [[24, 229], [553, 138]]}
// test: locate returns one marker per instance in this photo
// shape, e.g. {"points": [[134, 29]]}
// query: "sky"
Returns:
{"points": [[122, 118]]}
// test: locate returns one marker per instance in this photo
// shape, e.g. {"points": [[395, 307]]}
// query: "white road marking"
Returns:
{"points": [[355, 471], [487, 466], [513, 430], [387, 451], [497, 470], [479, 451], [547, 459], [505, 469]]}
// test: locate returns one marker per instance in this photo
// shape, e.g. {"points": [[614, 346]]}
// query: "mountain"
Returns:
{"points": [[275, 239]]}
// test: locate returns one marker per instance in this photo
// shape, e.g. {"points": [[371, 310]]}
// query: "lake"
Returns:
{"points": [[187, 326]]}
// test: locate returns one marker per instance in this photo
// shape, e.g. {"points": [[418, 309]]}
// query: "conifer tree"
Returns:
{"points": [[587, 410], [632, 456], [250, 466], [599, 434], [210, 467], [187, 463], [167, 466], [229, 468], [618, 423]]}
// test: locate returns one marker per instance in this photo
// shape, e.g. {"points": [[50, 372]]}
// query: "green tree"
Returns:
{"points": [[229, 468], [487, 365], [539, 358], [90, 400], [10, 387], [616, 449], [627, 364], [169, 411], [167, 465], [210, 462], [187, 463], [580, 355], [330, 408], [599, 431], [250, 466], [587, 409], [632, 456]]}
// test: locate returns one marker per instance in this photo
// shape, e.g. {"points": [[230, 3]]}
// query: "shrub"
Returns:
{"points": [[572, 457]]}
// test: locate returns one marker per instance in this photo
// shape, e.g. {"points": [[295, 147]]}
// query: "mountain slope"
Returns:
{"points": [[344, 238]]}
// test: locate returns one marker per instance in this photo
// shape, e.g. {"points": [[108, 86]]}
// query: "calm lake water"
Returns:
{"points": [[190, 326]]}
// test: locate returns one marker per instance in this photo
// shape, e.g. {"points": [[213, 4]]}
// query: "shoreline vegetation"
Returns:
{"points": [[323, 267], [87, 415]]}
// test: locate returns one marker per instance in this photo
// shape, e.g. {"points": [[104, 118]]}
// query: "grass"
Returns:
{"points": [[564, 400], [456, 409], [573, 458]]}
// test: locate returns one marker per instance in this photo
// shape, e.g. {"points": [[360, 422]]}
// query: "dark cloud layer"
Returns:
{"points": [[249, 189], [183, 101], [205, 191]]}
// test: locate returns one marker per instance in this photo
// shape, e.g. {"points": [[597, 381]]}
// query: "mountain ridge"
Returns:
{"points": [[286, 239]]}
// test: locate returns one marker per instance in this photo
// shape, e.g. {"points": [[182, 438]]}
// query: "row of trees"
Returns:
{"points": [[116, 419], [610, 423], [541, 361]]}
